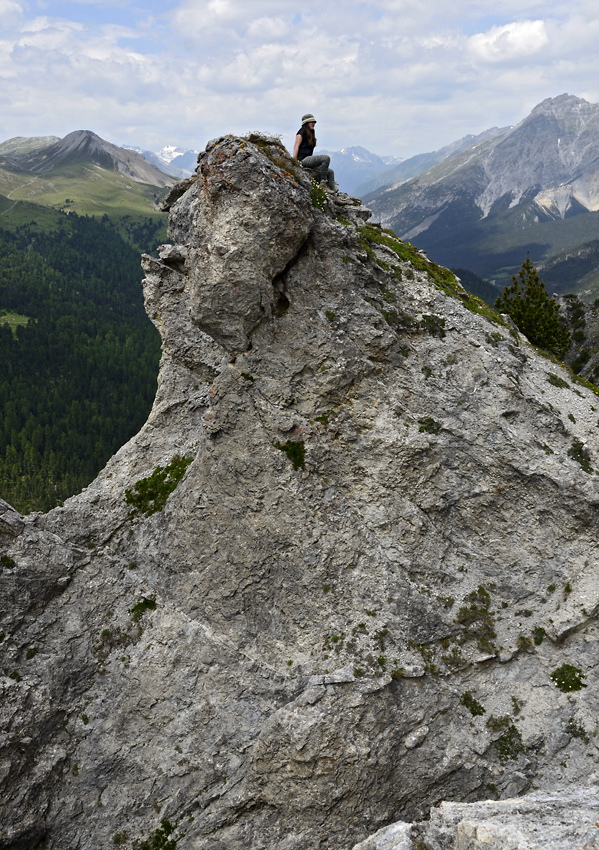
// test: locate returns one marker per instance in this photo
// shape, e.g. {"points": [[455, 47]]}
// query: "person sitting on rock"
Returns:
{"points": [[305, 142]]}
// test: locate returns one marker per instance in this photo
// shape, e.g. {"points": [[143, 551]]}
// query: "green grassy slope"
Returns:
{"points": [[18, 213], [84, 188]]}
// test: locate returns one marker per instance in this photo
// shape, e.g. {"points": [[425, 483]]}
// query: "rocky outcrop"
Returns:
{"points": [[559, 821], [347, 569]]}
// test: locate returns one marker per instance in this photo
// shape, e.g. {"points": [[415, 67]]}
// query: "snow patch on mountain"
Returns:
{"points": [[170, 152]]}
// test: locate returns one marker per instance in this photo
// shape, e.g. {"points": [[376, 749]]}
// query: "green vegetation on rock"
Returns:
{"points": [[319, 196], [295, 451], [568, 678], [476, 618], [161, 838], [556, 381], [149, 495], [509, 745], [576, 452], [140, 608], [474, 706], [429, 425], [442, 278], [576, 730]]}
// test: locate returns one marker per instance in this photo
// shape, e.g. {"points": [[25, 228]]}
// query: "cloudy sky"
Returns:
{"points": [[395, 76]]}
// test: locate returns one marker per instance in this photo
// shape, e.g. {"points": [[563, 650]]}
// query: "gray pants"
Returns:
{"points": [[320, 163]]}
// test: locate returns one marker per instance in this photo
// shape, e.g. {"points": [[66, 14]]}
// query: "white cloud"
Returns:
{"points": [[506, 43], [265, 28], [394, 76], [10, 12], [193, 17]]}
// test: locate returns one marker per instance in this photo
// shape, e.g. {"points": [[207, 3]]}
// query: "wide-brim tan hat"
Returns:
{"points": [[307, 118]]}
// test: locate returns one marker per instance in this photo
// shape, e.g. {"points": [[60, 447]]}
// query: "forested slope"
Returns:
{"points": [[78, 380]]}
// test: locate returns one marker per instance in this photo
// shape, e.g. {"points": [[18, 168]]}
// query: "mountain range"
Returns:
{"points": [[359, 171], [534, 187], [355, 165], [477, 204], [407, 168], [178, 162], [80, 172], [83, 146]]}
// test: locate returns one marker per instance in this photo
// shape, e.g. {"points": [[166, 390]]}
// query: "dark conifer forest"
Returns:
{"points": [[79, 378]]}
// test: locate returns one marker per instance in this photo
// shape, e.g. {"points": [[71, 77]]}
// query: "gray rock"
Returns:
{"points": [[398, 836], [535, 822], [11, 521], [540, 821], [368, 495], [416, 737], [176, 192], [413, 671]]}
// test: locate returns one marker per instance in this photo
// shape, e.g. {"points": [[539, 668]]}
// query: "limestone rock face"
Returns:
{"points": [[540, 821], [361, 596], [559, 821]]}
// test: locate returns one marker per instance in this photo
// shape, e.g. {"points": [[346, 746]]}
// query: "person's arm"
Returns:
{"points": [[296, 147]]}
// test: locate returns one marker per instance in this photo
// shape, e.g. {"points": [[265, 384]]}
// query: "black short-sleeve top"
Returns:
{"points": [[304, 149]]}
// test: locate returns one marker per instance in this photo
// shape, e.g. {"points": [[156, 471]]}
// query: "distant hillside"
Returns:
{"points": [[574, 270], [81, 173], [354, 165], [5, 204], [26, 144], [83, 146], [535, 188], [421, 162], [477, 286]]}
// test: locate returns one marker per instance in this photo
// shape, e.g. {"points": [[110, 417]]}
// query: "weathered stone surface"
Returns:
{"points": [[11, 521], [559, 821], [309, 620], [540, 821], [176, 192], [398, 836]]}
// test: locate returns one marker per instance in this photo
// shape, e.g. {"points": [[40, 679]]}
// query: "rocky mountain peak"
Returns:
{"points": [[344, 572], [562, 104], [360, 154], [484, 207], [84, 146]]}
